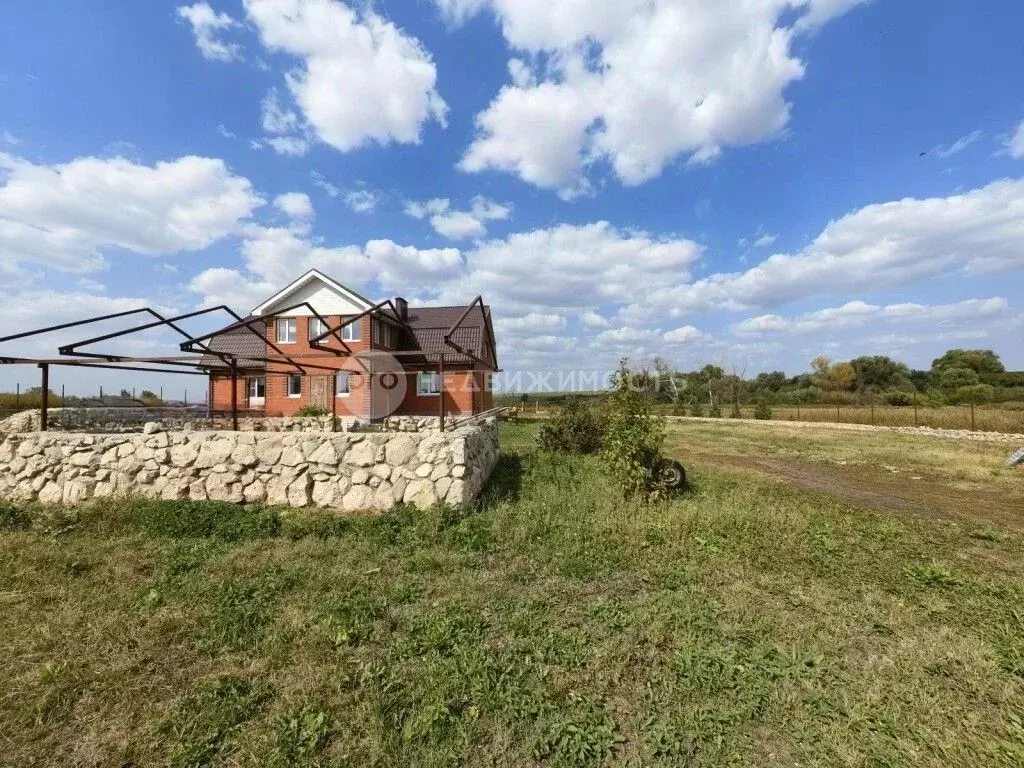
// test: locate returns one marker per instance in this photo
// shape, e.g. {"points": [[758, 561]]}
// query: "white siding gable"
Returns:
{"points": [[326, 296]]}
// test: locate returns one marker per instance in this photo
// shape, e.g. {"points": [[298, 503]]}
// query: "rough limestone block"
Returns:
{"points": [[213, 453], [358, 499], [362, 454], [421, 494]]}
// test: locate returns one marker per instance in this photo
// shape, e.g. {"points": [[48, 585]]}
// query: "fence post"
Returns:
{"points": [[44, 411], [17, 395], [972, 413], [61, 395], [871, 399], [837, 414], [916, 424], [798, 410]]}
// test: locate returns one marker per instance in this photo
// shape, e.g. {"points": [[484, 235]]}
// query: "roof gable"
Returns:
{"points": [[327, 296]]}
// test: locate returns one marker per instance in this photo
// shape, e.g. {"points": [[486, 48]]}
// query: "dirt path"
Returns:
{"points": [[876, 488], [955, 434]]}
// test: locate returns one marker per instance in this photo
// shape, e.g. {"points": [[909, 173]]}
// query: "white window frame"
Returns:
{"points": [[337, 385], [292, 377], [320, 326], [289, 325], [257, 383], [353, 331], [428, 384], [376, 331]]}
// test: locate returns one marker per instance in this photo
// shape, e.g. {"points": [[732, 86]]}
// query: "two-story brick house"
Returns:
{"points": [[319, 343]]}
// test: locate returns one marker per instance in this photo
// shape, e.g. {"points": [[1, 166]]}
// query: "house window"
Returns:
{"points": [[294, 385], [376, 331], [317, 327], [342, 385], [428, 383], [257, 391], [286, 330], [352, 332]]}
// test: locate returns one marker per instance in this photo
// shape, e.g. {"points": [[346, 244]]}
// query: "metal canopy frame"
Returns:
{"points": [[73, 356]]}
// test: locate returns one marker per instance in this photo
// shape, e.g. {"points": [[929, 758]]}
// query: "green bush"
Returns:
{"points": [[696, 409], [899, 397], [575, 428], [715, 411], [735, 413], [312, 411], [634, 437], [977, 393], [763, 409]]}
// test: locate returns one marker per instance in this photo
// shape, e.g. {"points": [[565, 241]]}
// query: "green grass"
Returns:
{"points": [[746, 623]]}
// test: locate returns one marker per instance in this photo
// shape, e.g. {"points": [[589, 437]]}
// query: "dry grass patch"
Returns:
{"points": [[744, 623]]}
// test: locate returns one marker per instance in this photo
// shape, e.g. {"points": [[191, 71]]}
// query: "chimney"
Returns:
{"points": [[403, 308]]}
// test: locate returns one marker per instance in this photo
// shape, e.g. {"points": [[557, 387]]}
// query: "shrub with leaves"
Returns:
{"points": [[735, 413], [634, 438], [763, 409], [312, 411], [715, 411], [696, 409], [575, 428]]}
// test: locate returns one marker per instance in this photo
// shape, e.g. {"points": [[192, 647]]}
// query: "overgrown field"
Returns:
{"points": [[746, 623]]}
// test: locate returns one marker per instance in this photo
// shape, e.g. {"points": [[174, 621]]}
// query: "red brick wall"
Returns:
{"points": [[466, 391]]}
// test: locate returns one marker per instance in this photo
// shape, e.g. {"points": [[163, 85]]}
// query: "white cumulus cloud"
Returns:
{"points": [[1015, 144], [359, 78], [64, 216], [455, 224], [879, 246], [636, 83], [207, 26]]}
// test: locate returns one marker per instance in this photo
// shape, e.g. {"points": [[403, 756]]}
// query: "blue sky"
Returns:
{"points": [[750, 186]]}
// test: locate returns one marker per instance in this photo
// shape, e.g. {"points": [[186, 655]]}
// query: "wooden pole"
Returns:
{"points": [[916, 423], [44, 411], [972, 413], [837, 414], [871, 399]]}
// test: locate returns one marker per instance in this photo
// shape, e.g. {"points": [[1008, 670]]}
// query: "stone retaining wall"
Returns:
{"points": [[120, 420], [350, 472]]}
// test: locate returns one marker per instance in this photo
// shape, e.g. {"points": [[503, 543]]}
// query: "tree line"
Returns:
{"points": [[958, 376]]}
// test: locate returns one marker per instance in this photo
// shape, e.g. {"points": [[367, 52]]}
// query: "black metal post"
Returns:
{"points": [[61, 395], [440, 399], [44, 411], [234, 398], [334, 403]]}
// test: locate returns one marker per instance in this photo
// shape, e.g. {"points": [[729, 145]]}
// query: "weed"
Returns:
{"points": [[204, 728], [300, 734], [237, 619], [933, 575], [195, 519], [14, 518]]}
